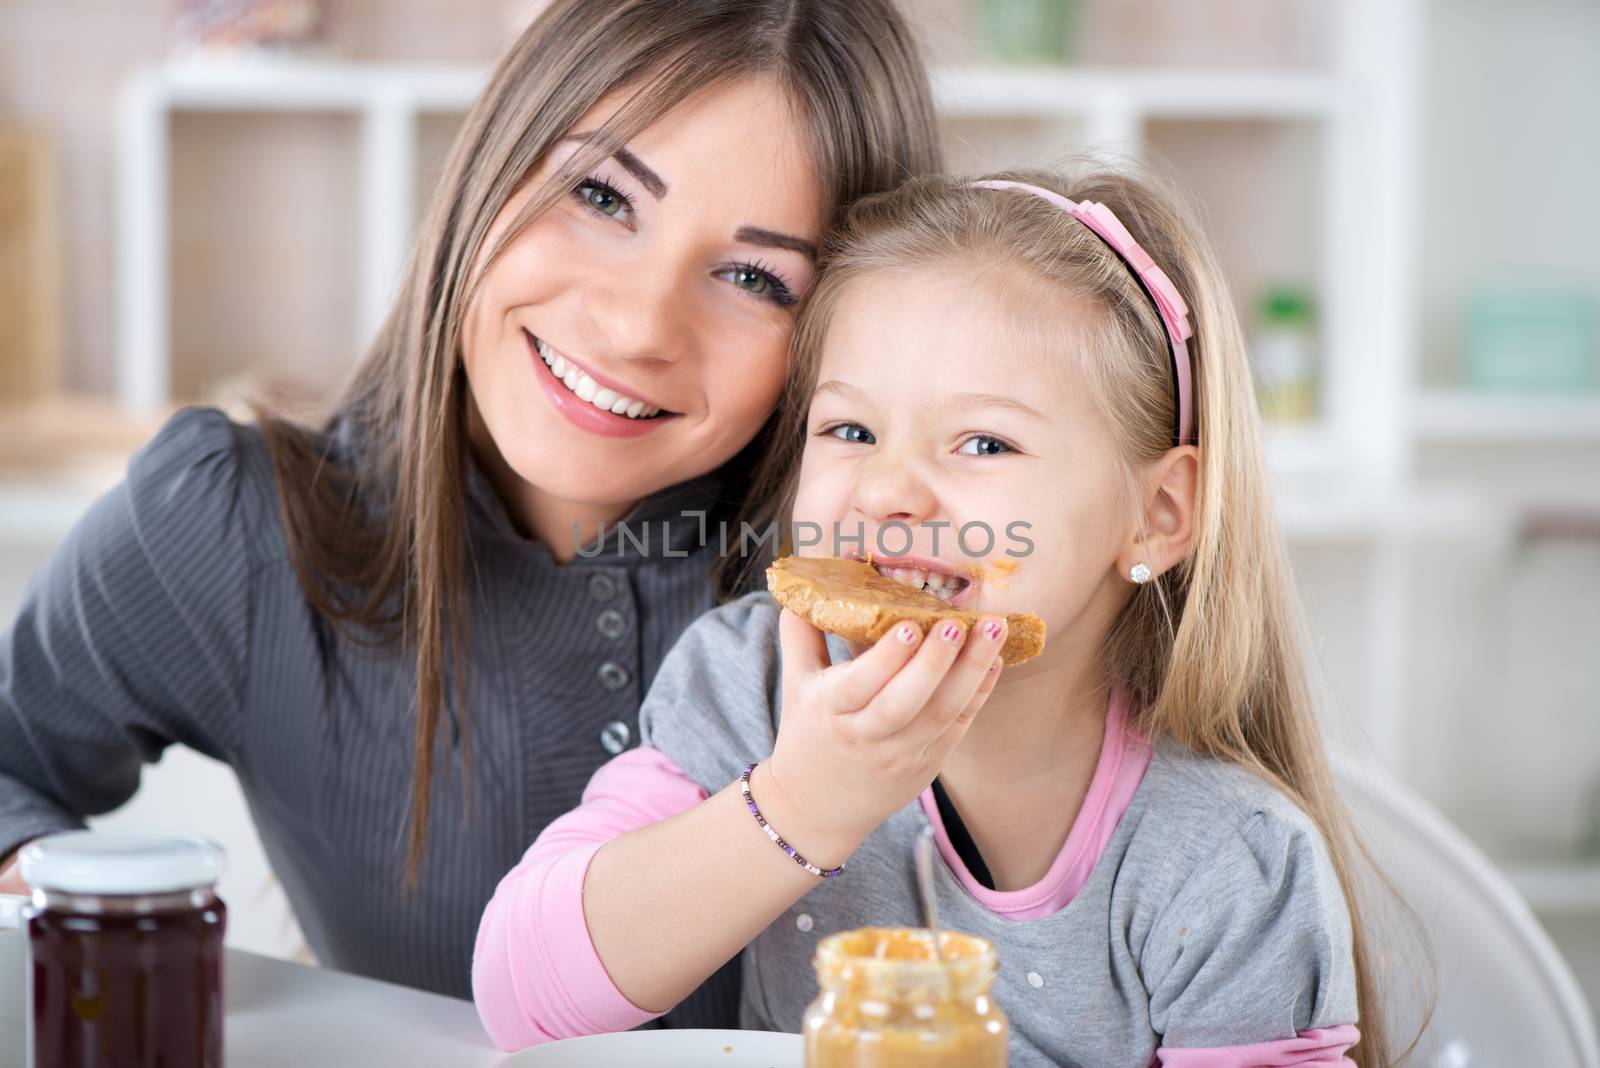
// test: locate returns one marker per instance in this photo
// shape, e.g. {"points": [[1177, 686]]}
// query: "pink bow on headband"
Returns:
{"points": [[1174, 312]]}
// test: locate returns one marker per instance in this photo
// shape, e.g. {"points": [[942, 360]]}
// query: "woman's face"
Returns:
{"points": [[636, 334]]}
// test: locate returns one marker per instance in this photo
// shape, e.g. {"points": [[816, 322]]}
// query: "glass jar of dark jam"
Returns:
{"points": [[125, 951]]}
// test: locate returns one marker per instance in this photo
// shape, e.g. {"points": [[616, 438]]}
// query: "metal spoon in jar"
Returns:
{"points": [[930, 906]]}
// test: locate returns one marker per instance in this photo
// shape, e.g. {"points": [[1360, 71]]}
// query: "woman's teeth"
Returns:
{"points": [[587, 389], [938, 583]]}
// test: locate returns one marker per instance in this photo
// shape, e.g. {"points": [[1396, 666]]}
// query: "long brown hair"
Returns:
{"points": [[378, 538], [1211, 651]]}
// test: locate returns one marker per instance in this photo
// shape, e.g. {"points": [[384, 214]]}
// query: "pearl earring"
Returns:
{"points": [[1140, 574]]}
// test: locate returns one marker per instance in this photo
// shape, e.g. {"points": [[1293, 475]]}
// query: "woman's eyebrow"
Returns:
{"points": [[755, 235], [630, 163]]}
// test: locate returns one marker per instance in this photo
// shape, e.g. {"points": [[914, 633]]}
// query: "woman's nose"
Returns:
{"points": [[636, 315]]}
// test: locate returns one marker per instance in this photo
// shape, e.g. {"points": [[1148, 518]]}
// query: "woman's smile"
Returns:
{"points": [[566, 393]]}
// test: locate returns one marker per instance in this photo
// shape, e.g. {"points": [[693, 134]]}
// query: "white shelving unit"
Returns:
{"points": [[388, 98], [1461, 415]]}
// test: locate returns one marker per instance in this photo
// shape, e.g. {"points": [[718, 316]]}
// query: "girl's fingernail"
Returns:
{"points": [[908, 633], [993, 629], [950, 633]]}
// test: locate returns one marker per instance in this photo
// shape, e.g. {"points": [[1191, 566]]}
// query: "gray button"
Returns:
{"points": [[613, 676], [602, 587], [615, 737], [612, 623]]}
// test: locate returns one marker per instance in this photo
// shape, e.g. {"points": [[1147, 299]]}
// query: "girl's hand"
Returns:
{"points": [[859, 741]]}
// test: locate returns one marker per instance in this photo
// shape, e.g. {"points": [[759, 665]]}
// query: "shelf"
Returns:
{"points": [[965, 91], [1048, 92], [1462, 415], [273, 84], [1572, 887], [1334, 510]]}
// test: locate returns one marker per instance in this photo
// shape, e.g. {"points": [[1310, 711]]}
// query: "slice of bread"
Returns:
{"points": [[849, 598]]}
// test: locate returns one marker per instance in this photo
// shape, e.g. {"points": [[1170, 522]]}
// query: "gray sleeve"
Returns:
{"points": [[1256, 944], [131, 637], [712, 707]]}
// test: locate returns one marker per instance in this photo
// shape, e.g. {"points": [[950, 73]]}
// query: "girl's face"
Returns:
{"points": [[933, 411], [636, 334]]}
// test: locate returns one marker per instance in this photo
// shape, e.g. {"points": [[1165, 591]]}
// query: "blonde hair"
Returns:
{"points": [[1211, 651], [378, 540]]}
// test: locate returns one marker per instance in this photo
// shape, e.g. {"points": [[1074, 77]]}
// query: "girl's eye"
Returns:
{"points": [[854, 433], [599, 197], [759, 283], [983, 445]]}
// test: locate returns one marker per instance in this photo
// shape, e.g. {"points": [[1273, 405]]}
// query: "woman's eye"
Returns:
{"points": [[980, 445], [599, 197], [754, 281], [759, 283], [853, 433]]}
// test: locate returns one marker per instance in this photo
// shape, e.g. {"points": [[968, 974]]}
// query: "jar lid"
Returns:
{"points": [[94, 862]]}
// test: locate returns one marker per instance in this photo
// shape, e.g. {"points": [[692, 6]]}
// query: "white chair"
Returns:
{"points": [[1505, 998]]}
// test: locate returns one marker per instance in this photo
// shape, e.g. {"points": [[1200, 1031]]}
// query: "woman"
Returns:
{"points": [[385, 626]]}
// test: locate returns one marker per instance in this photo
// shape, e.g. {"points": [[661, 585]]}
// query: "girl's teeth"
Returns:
{"points": [[910, 576], [587, 389], [937, 583]]}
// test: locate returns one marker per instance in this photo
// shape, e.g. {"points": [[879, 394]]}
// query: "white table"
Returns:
{"points": [[279, 1013]]}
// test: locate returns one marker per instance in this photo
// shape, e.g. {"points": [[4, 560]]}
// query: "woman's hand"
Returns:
{"points": [[859, 741], [11, 876]]}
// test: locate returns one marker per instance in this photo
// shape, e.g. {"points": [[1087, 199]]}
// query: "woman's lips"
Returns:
{"points": [[604, 393], [582, 413]]}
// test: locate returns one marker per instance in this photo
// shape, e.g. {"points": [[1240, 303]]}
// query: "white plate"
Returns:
{"points": [[666, 1049]]}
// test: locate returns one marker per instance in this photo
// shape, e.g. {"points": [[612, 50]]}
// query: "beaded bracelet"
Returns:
{"points": [[744, 788]]}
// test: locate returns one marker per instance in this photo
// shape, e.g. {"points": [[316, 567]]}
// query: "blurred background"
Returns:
{"points": [[208, 201]]}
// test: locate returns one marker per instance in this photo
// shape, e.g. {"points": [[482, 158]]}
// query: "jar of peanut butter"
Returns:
{"points": [[888, 1002]]}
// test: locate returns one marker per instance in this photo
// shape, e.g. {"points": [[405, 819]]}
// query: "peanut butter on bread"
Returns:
{"points": [[849, 598]]}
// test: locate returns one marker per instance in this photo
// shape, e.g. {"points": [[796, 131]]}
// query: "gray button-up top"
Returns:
{"points": [[172, 613]]}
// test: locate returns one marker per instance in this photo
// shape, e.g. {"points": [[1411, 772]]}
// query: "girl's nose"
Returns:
{"points": [[889, 488]]}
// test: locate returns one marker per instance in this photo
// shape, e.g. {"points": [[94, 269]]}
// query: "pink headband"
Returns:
{"points": [[1174, 312]]}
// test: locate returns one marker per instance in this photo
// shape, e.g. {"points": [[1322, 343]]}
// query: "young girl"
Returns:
{"points": [[1140, 819]]}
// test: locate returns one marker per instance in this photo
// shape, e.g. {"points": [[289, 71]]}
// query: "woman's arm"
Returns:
{"points": [[131, 637]]}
